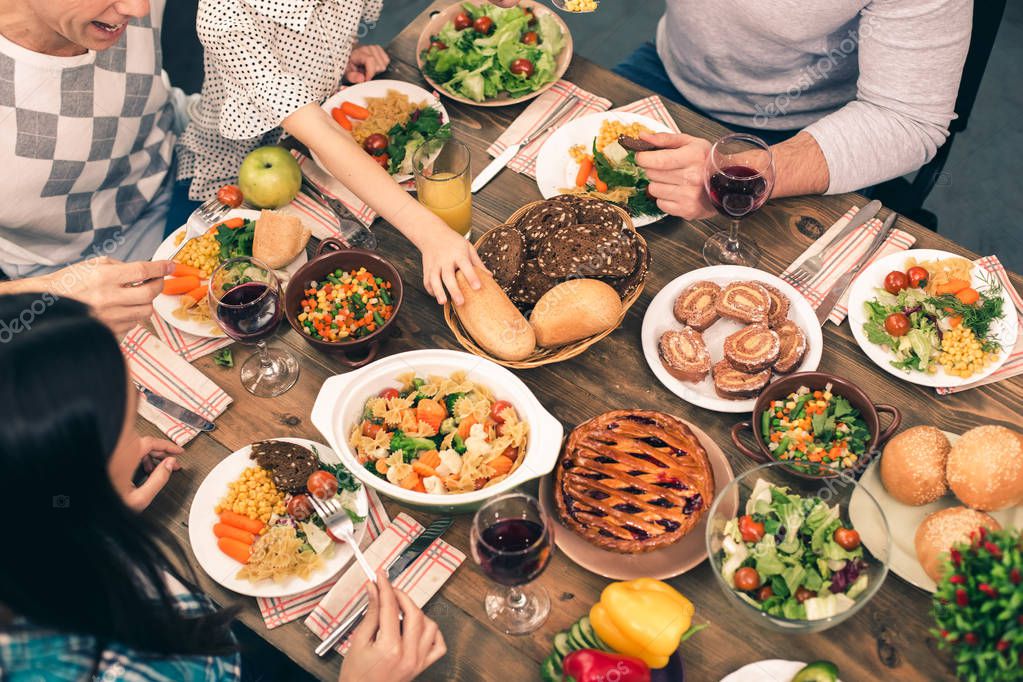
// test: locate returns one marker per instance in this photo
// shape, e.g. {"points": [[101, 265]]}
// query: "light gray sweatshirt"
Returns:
{"points": [[874, 81]]}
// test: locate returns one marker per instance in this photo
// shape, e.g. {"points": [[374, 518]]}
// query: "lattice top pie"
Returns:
{"points": [[633, 481]]}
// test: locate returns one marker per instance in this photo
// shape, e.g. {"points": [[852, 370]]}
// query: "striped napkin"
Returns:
{"points": [[420, 581], [154, 365], [848, 251], [1013, 365], [188, 346], [280, 610]]}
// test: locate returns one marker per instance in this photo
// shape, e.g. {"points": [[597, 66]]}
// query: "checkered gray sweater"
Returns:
{"points": [[85, 144]]}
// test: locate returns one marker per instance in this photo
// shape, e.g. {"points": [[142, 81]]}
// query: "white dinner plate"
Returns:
{"points": [[772, 670], [165, 305], [660, 318], [222, 568], [903, 520], [864, 288], [362, 91], [555, 168]]}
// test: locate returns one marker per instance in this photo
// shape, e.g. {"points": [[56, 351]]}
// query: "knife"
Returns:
{"points": [[502, 159], [839, 288], [394, 570], [182, 414]]}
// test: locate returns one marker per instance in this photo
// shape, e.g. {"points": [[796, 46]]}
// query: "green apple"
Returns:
{"points": [[269, 177]]}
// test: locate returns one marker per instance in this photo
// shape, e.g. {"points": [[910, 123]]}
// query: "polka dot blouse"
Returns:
{"points": [[264, 60]]}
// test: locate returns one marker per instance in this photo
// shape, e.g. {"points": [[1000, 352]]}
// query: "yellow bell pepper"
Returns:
{"points": [[645, 618]]}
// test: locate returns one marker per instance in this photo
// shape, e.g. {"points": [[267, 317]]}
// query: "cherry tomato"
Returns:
{"points": [[522, 67], [895, 281], [370, 430], [917, 276], [483, 25], [376, 144], [746, 579], [383, 160], [530, 38], [230, 195], [802, 594], [896, 324], [847, 538], [322, 484], [438, 45], [462, 21], [389, 393], [765, 593], [499, 407], [300, 508], [750, 530]]}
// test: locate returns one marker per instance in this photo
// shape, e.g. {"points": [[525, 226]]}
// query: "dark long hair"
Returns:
{"points": [[75, 557]]}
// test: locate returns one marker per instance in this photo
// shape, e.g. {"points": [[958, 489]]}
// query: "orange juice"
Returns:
{"points": [[448, 196]]}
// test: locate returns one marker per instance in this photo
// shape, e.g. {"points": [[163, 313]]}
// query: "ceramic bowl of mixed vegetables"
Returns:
{"points": [[819, 424], [792, 558], [344, 301]]}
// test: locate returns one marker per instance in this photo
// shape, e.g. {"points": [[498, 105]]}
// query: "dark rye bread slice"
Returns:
{"points": [[732, 384], [588, 251], [780, 304], [684, 354], [530, 285], [597, 212], [792, 342], [628, 284], [752, 349], [504, 253], [539, 222], [695, 305], [289, 464]]}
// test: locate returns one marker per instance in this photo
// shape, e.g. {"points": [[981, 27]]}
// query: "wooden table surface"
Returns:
{"points": [[887, 638]]}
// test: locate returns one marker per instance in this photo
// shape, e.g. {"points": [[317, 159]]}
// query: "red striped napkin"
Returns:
{"points": [[154, 365], [281, 610], [539, 109], [1013, 365], [420, 581], [188, 346], [843, 257]]}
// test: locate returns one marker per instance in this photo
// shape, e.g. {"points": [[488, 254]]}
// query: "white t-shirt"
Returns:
{"points": [[265, 59], [86, 143]]}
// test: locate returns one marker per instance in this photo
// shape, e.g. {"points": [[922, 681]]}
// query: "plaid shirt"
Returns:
{"points": [[32, 654]]}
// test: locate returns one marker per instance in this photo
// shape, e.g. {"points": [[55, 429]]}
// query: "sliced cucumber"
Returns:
{"points": [[576, 638], [549, 671], [589, 635], [818, 671], [562, 647]]}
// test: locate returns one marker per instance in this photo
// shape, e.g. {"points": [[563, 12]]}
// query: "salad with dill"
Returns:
{"points": [[792, 556]]}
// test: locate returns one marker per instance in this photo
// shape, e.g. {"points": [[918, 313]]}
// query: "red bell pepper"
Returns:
{"points": [[591, 665]]}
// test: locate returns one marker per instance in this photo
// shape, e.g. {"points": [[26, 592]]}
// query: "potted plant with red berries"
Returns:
{"points": [[978, 606]]}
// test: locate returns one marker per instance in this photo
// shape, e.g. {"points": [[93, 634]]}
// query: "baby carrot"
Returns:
{"points": [[381, 466], [173, 286], [353, 110], [241, 521], [430, 458], [341, 119], [180, 270], [410, 481], [501, 464], [584, 172], [235, 549], [424, 470], [222, 530], [952, 286], [419, 487], [968, 296], [195, 295], [599, 184]]}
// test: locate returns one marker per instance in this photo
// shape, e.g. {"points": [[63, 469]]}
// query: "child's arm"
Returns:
{"points": [[444, 251]]}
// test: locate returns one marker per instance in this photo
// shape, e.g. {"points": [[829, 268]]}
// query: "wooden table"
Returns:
{"points": [[888, 638]]}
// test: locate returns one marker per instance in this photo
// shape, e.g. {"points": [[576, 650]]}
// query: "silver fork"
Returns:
{"points": [[811, 267], [337, 521], [202, 219], [354, 232]]}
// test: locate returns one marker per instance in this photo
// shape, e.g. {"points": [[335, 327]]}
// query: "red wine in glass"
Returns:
{"points": [[513, 551], [737, 191], [250, 311]]}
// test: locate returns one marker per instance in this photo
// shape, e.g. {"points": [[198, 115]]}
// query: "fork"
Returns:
{"points": [[354, 232], [811, 267], [202, 219], [339, 523]]}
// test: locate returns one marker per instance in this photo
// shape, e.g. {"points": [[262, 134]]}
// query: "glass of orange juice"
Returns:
{"points": [[443, 182]]}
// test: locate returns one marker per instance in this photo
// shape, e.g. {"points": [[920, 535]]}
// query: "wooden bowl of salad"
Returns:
{"points": [[344, 301], [821, 424]]}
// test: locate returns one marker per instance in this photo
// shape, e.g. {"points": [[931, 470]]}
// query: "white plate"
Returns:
{"points": [[555, 168], [772, 670], [361, 92], [863, 290], [222, 568], [903, 520], [165, 305], [660, 318]]}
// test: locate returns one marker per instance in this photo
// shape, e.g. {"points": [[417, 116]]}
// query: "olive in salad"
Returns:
{"points": [[815, 426], [792, 557]]}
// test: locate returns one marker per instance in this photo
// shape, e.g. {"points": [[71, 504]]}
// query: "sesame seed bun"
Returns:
{"points": [[913, 465], [985, 468], [943, 529]]}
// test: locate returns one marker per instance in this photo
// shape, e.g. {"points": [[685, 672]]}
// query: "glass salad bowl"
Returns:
{"points": [[804, 581]]}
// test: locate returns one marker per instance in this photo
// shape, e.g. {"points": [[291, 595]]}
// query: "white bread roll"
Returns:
{"points": [[985, 468], [945, 528], [575, 310], [493, 321], [278, 238], [913, 465]]}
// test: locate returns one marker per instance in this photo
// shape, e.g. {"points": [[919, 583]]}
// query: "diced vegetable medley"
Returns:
{"points": [[346, 305], [815, 426]]}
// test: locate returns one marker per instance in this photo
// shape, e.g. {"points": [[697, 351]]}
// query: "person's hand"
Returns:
{"points": [[446, 252], [120, 294], [365, 63], [157, 459], [386, 650], [676, 173]]}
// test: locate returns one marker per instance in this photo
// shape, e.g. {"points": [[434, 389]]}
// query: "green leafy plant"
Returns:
{"points": [[978, 607], [224, 357]]}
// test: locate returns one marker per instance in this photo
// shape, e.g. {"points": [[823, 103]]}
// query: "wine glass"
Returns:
{"points": [[739, 178], [245, 299], [512, 541]]}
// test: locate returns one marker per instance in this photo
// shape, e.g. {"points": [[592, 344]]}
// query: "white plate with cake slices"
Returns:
{"points": [[660, 318]]}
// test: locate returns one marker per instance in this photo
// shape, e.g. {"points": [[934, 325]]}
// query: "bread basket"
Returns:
{"points": [[545, 356]]}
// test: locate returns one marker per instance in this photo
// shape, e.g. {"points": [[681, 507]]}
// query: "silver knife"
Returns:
{"points": [[394, 569], [836, 291], [814, 264], [502, 159], [182, 414], [354, 232]]}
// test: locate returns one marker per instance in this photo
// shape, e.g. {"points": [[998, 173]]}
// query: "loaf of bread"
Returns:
{"points": [[493, 321], [278, 238], [574, 310]]}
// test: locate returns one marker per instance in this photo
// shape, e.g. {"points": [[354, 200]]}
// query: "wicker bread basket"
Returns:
{"points": [[544, 356]]}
